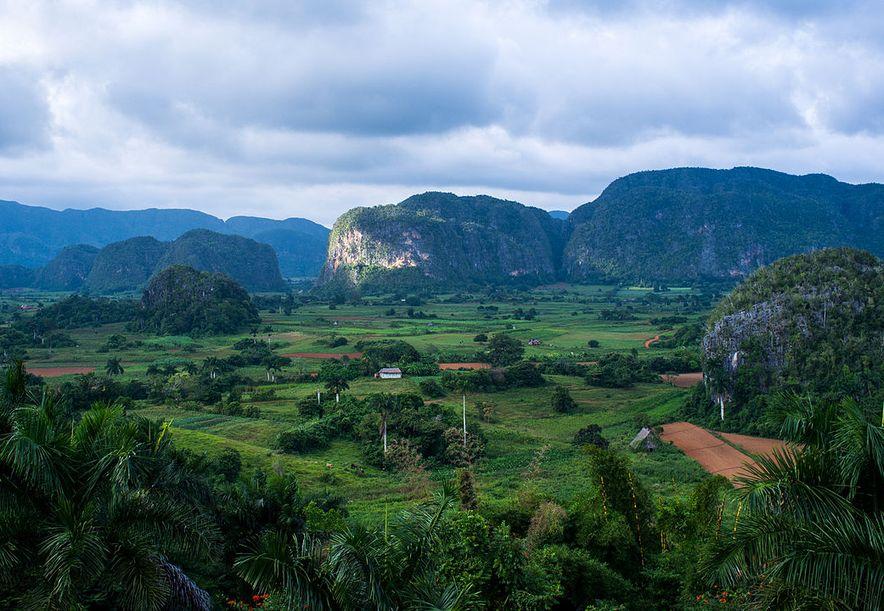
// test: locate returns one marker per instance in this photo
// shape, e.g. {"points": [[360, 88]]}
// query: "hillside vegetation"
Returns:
{"points": [[183, 301], [692, 223], [31, 235], [810, 323], [442, 240], [128, 265]]}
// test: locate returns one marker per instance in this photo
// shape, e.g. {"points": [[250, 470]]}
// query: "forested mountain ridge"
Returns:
{"points": [[811, 323], [442, 240], [129, 264], [32, 235], [685, 224]]}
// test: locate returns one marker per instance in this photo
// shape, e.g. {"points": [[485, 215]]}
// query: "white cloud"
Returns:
{"points": [[307, 109]]}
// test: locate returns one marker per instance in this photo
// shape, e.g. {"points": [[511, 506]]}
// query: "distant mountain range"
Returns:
{"points": [[30, 236], [666, 226], [130, 264], [680, 225]]}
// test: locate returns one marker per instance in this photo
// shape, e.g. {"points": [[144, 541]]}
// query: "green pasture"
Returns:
{"points": [[529, 446]]}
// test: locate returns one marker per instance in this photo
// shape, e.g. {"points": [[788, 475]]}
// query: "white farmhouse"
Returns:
{"points": [[389, 373]]}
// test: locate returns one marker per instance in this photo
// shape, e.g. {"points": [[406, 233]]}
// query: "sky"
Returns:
{"points": [[308, 108]]}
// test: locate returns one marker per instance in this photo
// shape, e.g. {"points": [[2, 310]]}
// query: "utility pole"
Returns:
{"points": [[464, 421]]}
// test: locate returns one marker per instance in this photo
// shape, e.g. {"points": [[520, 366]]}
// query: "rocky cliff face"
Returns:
{"points": [[694, 223], [813, 323], [442, 240]]}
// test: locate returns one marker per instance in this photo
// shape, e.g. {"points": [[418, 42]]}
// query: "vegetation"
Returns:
{"points": [[812, 535], [810, 323], [694, 223], [302, 499], [181, 300], [453, 241]]}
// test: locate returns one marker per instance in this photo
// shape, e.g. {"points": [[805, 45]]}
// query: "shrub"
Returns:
{"points": [[562, 401], [431, 388], [524, 375], [591, 435], [305, 438], [481, 338], [486, 410], [309, 407]]}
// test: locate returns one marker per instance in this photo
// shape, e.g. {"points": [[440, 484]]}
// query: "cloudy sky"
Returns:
{"points": [[285, 108]]}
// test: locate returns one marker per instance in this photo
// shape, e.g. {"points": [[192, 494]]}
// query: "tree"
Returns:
{"points": [[361, 567], [337, 385], [591, 435], [95, 510], [113, 367], [562, 401], [504, 350], [813, 529], [466, 487]]}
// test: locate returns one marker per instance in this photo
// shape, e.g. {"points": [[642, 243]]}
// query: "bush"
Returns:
{"points": [[481, 338], [314, 435], [309, 407], [591, 435], [615, 370], [524, 375], [562, 401], [431, 388]]}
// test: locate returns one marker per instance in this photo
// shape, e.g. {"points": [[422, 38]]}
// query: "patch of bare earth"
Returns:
{"points": [[463, 366], [54, 372], [713, 454], [683, 380], [761, 446]]}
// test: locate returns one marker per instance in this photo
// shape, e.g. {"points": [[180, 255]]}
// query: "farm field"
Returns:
{"points": [[529, 446], [718, 453]]}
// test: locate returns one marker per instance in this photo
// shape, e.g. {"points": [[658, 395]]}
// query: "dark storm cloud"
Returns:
{"points": [[307, 108]]}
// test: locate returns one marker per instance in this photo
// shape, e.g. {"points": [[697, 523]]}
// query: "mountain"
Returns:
{"points": [[31, 235], [126, 265], [300, 244], [811, 323], [129, 264], [251, 264], [16, 276], [562, 215], [442, 240], [68, 270], [183, 301], [693, 223]]}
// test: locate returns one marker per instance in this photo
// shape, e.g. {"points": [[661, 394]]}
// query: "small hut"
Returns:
{"points": [[645, 440], [389, 373]]}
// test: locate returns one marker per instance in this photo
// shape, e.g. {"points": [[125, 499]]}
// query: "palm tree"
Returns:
{"points": [[113, 367], [93, 510], [337, 384], [813, 530], [360, 567]]}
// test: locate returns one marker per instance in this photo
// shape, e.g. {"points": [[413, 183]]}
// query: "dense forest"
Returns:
{"points": [[811, 324]]}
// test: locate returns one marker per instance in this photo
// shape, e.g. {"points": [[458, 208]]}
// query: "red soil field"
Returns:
{"points": [[754, 445], [54, 372], [456, 366], [654, 339], [713, 454], [322, 355], [683, 380]]}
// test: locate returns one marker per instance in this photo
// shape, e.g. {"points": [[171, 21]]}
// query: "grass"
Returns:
{"points": [[528, 445]]}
